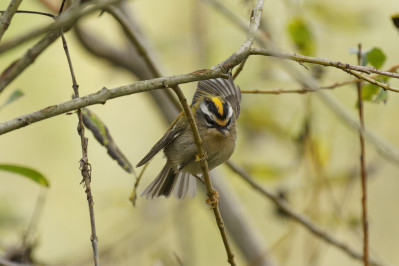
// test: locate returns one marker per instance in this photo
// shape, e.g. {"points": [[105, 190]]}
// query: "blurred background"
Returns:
{"points": [[290, 143]]}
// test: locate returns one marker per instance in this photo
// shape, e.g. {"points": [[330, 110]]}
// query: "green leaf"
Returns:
{"points": [[373, 93], [301, 35], [376, 57], [369, 91], [27, 172], [14, 96], [102, 135]]}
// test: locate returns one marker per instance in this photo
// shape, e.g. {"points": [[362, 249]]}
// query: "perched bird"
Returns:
{"points": [[216, 107]]}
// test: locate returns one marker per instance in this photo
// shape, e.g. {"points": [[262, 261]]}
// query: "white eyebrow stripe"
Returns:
{"points": [[230, 112], [205, 110]]}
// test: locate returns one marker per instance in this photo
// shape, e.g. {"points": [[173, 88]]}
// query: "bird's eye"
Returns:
{"points": [[209, 120]]}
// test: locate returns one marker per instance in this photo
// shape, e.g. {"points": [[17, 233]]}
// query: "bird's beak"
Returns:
{"points": [[222, 131]]}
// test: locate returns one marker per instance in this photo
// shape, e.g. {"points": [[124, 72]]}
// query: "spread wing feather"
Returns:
{"points": [[176, 129], [220, 87]]}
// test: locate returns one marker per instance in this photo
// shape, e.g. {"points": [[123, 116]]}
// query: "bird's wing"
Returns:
{"points": [[220, 87], [173, 132]]}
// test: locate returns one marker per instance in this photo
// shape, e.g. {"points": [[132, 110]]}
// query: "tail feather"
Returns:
{"points": [[168, 182]]}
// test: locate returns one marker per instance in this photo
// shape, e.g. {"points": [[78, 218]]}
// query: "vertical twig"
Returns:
{"points": [[6, 17], [363, 167], [84, 166], [211, 192]]}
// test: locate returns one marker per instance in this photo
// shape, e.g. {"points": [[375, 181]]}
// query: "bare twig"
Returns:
{"points": [[239, 68], [230, 15], [321, 61], [133, 195], [85, 167], [300, 91], [66, 20], [103, 95], [350, 69], [297, 216], [245, 49], [211, 192], [7, 15], [18, 66], [34, 220], [363, 167], [137, 42]]}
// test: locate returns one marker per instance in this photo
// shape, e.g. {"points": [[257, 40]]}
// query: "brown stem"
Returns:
{"points": [[7, 15], [363, 168], [298, 217], [85, 167]]}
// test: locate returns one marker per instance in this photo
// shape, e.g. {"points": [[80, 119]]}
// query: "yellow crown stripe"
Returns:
{"points": [[219, 105]]}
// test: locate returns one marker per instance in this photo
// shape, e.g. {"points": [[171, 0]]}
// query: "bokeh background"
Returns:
{"points": [[290, 143]]}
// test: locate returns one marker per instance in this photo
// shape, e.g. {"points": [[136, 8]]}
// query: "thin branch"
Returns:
{"points": [[84, 167], [297, 216], [18, 66], [351, 69], [385, 148], [245, 49], [133, 195], [363, 167], [66, 20], [230, 15], [211, 192], [137, 42], [7, 15], [239, 68], [300, 91], [34, 220], [34, 13], [103, 95]]}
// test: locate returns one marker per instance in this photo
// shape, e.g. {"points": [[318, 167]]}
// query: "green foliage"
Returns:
{"points": [[14, 96], [26, 172], [301, 35], [375, 57], [102, 135], [369, 91]]}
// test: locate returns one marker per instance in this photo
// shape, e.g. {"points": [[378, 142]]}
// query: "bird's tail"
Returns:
{"points": [[168, 181]]}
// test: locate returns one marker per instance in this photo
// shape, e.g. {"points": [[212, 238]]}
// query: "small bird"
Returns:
{"points": [[215, 107]]}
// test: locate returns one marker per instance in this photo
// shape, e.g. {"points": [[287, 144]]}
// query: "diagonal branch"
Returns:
{"points": [[298, 217], [5, 19], [103, 95], [350, 69], [66, 20]]}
